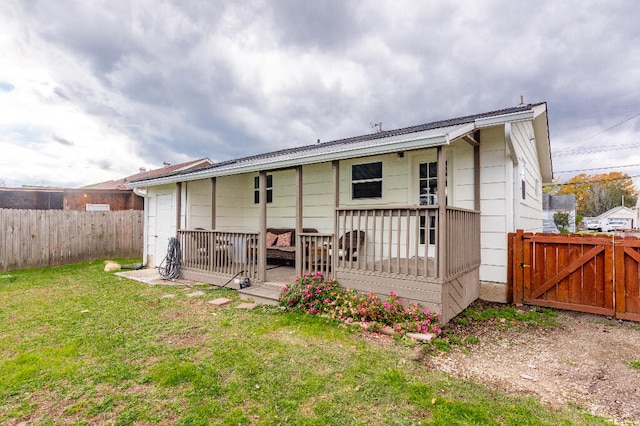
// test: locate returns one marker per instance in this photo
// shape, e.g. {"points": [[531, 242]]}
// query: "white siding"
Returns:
{"points": [[317, 196], [522, 137], [494, 204], [394, 181], [234, 203], [503, 208], [461, 175], [198, 204]]}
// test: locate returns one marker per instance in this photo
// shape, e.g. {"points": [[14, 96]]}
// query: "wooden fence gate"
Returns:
{"points": [[589, 273]]}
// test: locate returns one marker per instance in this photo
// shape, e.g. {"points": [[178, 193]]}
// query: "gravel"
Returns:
{"points": [[584, 361]]}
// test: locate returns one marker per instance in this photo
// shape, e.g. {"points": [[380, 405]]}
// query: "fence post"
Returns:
{"points": [[510, 269], [517, 242], [618, 276]]}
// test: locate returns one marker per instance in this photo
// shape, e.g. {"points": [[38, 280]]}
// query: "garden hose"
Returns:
{"points": [[170, 267]]}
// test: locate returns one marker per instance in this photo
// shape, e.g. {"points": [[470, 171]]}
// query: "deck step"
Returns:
{"points": [[264, 294]]}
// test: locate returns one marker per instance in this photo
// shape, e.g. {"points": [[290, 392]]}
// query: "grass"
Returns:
{"points": [[81, 346], [502, 317], [510, 316], [635, 365]]}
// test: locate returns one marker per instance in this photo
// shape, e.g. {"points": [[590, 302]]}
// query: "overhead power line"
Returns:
{"points": [[587, 182], [597, 168], [601, 132], [596, 149]]}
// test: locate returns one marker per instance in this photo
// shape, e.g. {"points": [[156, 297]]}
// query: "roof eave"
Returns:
{"points": [[270, 164], [502, 119]]}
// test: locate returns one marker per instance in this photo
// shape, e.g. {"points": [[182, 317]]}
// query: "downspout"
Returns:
{"points": [[515, 175], [145, 221]]}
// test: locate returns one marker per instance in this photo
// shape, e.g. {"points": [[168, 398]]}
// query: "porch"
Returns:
{"points": [[425, 254]]}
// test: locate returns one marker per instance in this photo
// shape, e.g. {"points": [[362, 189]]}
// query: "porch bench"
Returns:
{"points": [[284, 251]]}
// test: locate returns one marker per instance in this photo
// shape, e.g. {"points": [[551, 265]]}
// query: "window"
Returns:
{"points": [[428, 181], [366, 180], [429, 231], [97, 207], [256, 189]]}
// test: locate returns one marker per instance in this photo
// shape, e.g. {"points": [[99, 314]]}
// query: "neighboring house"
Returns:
{"points": [[111, 195], [552, 204], [620, 217], [422, 211], [34, 198]]}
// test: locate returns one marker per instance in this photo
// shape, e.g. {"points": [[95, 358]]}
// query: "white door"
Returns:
{"points": [[163, 227], [425, 172]]}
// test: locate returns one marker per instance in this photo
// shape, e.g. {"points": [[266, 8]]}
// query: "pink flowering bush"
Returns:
{"points": [[311, 293]]}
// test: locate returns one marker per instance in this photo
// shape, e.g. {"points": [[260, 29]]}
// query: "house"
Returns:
{"points": [[617, 218], [104, 196], [565, 203], [40, 198], [422, 211]]}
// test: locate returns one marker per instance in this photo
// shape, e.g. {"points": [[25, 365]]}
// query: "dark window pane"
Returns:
{"points": [[367, 190], [423, 171], [256, 185], [366, 171], [433, 169], [256, 181]]}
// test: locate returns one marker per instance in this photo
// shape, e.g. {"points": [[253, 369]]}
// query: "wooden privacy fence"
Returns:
{"points": [[41, 238], [588, 273]]}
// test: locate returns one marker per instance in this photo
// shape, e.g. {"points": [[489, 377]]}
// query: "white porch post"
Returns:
{"points": [[178, 207], [336, 204], [476, 172], [213, 203], [262, 220], [299, 212], [442, 210]]}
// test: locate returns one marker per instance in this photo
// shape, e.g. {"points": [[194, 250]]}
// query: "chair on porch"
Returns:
{"points": [[349, 245], [199, 249], [209, 252]]}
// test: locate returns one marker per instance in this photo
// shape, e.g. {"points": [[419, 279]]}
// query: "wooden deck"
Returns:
{"points": [[379, 249]]}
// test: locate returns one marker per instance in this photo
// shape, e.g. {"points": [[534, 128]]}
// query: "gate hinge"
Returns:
{"points": [[524, 265]]}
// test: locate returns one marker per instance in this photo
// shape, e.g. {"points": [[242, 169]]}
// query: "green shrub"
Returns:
{"points": [[312, 294]]}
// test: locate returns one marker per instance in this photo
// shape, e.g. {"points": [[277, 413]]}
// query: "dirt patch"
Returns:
{"points": [[584, 360]]}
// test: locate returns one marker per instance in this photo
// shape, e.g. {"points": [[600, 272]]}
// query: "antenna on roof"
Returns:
{"points": [[378, 125], [142, 169], [166, 163]]}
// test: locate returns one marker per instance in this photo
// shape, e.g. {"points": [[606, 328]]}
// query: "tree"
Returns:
{"points": [[595, 194], [562, 219]]}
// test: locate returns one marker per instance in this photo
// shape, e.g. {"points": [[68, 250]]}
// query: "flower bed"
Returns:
{"points": [[313, 294]]}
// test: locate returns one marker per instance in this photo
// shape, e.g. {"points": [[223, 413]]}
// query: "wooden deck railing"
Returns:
{"points": [[395, 240], [220, 252], [385, 240], [463, 241], [315, 256]]}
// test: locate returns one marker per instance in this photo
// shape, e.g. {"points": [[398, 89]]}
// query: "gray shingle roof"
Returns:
{"points": [[428, 130]]}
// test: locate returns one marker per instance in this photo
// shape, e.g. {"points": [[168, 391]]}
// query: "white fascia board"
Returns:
{"points": [[311, 158], [502, 119]]}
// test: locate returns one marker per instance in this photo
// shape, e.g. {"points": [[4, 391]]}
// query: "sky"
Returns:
{"points": [[93, 90]]}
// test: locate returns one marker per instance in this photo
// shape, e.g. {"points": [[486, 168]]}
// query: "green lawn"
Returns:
{"points": [[82, 346]]}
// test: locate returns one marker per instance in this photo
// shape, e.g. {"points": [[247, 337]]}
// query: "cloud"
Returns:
{"points": [[150, 81], [62, 141], [6, 87]]}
